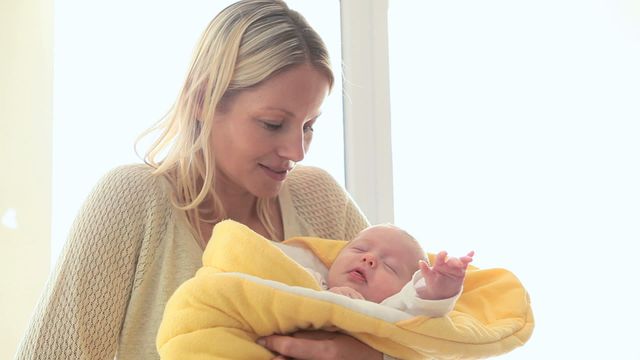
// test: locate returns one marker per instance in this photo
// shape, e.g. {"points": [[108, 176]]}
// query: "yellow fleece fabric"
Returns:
{"points": [[248, 288]]}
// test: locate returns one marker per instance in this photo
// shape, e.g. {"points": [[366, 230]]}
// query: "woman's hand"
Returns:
{"points": [[318, 345]]}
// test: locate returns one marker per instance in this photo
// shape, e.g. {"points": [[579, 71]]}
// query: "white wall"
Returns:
{"points": [[25, 154]]}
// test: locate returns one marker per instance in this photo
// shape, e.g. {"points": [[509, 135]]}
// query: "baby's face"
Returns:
{"points": [[377, 263]]}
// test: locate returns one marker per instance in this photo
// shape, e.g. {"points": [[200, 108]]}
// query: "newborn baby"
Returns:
{"points": [[386, 265]]}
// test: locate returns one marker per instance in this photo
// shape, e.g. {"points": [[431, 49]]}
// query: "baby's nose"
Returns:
{"points": [[369, 260]]}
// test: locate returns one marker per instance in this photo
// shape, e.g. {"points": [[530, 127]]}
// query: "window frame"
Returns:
{"points": [[367, 119]]}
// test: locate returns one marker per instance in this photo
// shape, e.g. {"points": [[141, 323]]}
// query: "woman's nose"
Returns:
{"points": [[293, 146], [369, 260]]}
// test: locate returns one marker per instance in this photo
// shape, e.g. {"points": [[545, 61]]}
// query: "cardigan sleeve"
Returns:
{"points": [[82, 308]]}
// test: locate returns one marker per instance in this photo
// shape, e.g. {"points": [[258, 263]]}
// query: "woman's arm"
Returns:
{"points": [[319, 345], [82, 308]]}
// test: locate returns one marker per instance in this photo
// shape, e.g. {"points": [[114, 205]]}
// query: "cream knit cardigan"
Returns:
{"points": [[129, 249]]}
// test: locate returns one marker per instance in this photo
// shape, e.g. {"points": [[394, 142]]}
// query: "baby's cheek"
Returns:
{"points": [[331, 280], [398, 285], [391, 287]]}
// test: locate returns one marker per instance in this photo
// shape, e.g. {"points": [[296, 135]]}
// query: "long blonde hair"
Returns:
{"points": [[244, 45]]}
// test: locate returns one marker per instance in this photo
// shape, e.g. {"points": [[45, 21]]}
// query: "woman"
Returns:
{"points": [[229, 146]]}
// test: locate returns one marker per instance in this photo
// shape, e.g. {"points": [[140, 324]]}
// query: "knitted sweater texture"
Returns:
{"points": [[129, 249]]}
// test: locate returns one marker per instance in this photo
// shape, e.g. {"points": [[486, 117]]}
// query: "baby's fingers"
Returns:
{"points": [[467, 258], [354, 294], [441, 258], [424, 268], [455, 263], [454, 266]]}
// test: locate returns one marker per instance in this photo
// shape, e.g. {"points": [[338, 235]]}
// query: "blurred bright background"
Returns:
{"points": [[515, 130], [516, 133]]}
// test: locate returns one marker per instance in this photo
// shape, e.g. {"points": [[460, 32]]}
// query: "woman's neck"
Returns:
{"points": [[239, 207], [242, 208]]}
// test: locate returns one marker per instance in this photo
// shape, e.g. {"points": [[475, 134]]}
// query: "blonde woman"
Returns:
{"points": [[229, 147]]}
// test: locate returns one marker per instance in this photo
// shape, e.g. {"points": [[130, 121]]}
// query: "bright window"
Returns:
{"points": [[515, 133]]}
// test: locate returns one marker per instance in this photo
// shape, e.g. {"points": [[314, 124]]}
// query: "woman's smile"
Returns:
{"points": [[275, 174]]}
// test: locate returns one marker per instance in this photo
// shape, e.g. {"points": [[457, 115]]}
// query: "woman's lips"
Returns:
{"points": [[275, 174]]}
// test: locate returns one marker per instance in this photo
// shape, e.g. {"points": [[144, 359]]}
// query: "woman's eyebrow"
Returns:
{"points": [[287, 112]]}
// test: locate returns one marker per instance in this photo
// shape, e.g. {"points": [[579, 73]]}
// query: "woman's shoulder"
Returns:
{"points": [[127, 212], [131, 178], [311, 179], [130, 186], [324, 204], [130, 174]]}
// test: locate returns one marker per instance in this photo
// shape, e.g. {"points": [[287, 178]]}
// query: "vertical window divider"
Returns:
{"points": [[367, 128]]}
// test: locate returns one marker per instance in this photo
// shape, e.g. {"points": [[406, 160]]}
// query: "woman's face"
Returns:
{"points": [[264, 131]]}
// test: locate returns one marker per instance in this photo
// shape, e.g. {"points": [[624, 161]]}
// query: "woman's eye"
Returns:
{"points": [[271, 125], [308, 128]]}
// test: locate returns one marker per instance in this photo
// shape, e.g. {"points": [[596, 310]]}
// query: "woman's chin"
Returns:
{"points": [[269, 191]]}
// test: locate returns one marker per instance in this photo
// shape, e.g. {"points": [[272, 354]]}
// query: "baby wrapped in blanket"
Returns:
{"points": [[386, 265], [236, 298]]}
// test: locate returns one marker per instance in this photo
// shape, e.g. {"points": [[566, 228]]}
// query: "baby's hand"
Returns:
{"points": [[346, 291], [445, 278]]}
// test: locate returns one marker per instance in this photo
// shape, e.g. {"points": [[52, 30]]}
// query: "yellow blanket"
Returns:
{"points": [[249, 288]]}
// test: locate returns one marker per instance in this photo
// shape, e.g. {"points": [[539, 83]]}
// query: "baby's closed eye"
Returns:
{"points": [[390, 268]]}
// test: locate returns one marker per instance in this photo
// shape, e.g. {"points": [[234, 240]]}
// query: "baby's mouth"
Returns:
{"points": [[358, 275]]}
